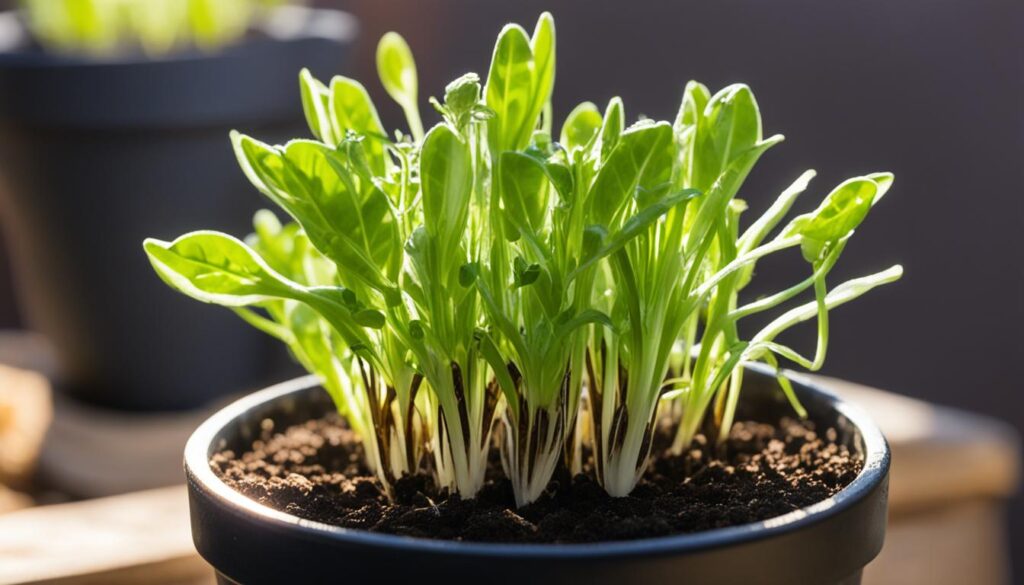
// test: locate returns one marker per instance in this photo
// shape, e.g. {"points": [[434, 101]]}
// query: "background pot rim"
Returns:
{"points": [[245, 86], [16, 50], [201, 477]]}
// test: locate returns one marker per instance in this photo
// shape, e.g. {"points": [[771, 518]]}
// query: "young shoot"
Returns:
{"points": [[684, 273], [484, 273]]}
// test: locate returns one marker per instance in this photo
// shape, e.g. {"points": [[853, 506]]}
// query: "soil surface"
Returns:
{"points": [[314, 471]]}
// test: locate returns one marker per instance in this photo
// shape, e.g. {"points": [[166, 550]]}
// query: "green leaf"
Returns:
{"points": [[883, 181], [268, 326], [716, 201], [510, 92], [462, 95], [842, 210], [614, 122], [493, 357], [446, 174], [468, 273], [840, 295], [369, 318], [585, 317], [416, 329], [691, 111], [600, 246], [316, 107], [524, 274], [350, 223], [523, 191], [396, 68], [689, 121], [216, 268], [838, 215], [641, 153], [352, 110], [594, 237], [397, 71], [732, 123], [561, 179], [581, 126], [542, 45]]}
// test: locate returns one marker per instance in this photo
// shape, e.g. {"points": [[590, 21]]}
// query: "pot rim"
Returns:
{"points": [[300, 23], [201, 477]]}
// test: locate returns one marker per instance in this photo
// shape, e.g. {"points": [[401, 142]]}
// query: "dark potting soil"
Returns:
{"points": [[314, 471]]}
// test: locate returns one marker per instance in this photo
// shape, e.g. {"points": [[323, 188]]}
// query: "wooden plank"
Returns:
{"points": [[957, 544], [26, 409], [940, 455], [142, 537]]}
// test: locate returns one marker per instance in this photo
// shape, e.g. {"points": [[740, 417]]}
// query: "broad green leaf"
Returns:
{"points": [[277, 244], [839, 214], [510, 92], [732, 126], [369, 318], [351, 109], [316, 106], [542, 45], [561, 179], [525, 274], [691, 111], [883, 181], [446, 175], [524, 191], [614, 123], [842, 210], [639, 152], [216, 268], [581, 126], [351, 224], [688, 123], [397, 71]]}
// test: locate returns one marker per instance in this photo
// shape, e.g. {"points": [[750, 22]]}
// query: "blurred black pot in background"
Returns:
{"points": [[97, 155]]}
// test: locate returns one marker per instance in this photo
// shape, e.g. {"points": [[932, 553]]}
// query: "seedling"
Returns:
{"points": [[488, 277], [103, 27]]}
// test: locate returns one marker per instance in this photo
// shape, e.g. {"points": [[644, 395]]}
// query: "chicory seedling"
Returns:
{"points": [[487, 278]]}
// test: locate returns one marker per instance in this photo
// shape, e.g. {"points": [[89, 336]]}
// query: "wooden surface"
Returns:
{"points": [[26, 410], [142, 537], [960, 543], [940, 455]]}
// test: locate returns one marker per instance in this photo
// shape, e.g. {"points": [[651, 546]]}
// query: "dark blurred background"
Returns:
{"points": [[931, 90]]}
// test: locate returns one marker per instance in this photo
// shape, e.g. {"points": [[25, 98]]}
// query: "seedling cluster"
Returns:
{"points": [[490, 281], [104, 27]]}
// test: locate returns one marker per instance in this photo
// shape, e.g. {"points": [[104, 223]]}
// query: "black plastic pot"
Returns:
{"points": [[828, 543], [97, 155]]}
